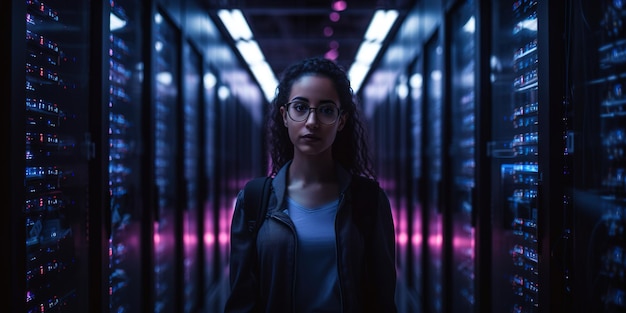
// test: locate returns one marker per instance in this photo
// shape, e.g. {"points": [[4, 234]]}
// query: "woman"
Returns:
{"points": [[311, 252]]}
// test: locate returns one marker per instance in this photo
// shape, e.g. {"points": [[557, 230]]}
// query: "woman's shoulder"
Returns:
{"points": [[364, 180]]}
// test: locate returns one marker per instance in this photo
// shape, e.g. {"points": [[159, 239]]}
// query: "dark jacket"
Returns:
{"points": [[263, 280]]}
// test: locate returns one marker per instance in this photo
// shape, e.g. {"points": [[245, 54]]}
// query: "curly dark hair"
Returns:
{"points": [[350, 148]]}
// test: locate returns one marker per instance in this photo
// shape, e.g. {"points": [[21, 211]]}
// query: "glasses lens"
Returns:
{"points": [[298, 111], [326, 113]]}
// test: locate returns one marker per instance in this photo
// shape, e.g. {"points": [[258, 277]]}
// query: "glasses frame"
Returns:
{"points": [[286, 105]]}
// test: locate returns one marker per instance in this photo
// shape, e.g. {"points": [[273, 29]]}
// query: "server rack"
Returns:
{"points": [[165, 142], [105, 213], [433, 295], [54, 207], [392, 147], [595, 162], [459, 173], [548, 199], [194, 182], [416, 152], [13, 234], [514, 151], [210, 238], [125, 222], [526, 151]]}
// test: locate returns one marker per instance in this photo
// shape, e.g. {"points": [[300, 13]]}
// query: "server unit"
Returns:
{"points": [[525, 149], [514, 151]]}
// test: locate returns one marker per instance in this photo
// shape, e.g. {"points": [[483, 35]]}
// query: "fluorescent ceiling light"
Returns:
{"points": [[380, 25], [357, 74], [250, 51], [235, 24], [265, 77], [367, 52], [248, 48], [376, 33]]}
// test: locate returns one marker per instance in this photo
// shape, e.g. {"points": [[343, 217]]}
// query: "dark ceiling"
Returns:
{"points": [[288, 31]]}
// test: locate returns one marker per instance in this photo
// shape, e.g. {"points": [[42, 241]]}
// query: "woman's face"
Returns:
{"points": [[311, 137]]}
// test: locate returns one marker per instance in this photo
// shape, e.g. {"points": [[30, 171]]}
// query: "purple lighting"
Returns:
{"points": [[332, 54], [328, 31], [402, 239], [339, 5], [209, 239]]}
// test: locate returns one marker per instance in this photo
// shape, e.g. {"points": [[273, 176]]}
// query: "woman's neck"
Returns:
{"points": [[309, 170]]}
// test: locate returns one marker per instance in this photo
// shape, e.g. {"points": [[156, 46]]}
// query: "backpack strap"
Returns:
{"points": [[257, 193]]}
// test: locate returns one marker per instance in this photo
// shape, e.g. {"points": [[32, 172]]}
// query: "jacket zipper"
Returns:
{"points": [[337, 259], [295, 259]]}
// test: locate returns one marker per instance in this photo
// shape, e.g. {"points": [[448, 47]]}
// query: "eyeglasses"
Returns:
{"points": [[299, 111]]}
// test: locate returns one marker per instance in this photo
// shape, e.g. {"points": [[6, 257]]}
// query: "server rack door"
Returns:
{"points": [[416, 239], [391, 164], [13, 232], [382, 140], [227, 186], [433, 223], [240, 157], [165, 103], [403, 214], [460, 176], [192, 143], [211, 212], [597, 141], [126, 187], [54, 210], [514, 157], [225, 190]]}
